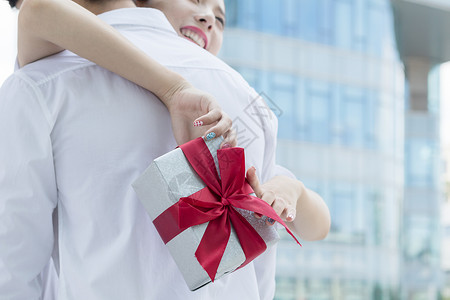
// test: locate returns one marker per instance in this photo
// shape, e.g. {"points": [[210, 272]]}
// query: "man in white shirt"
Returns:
{"points": [[77, 136]]}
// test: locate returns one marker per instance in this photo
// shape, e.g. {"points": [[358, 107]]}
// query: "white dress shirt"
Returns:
{"points": [[75, 135]]}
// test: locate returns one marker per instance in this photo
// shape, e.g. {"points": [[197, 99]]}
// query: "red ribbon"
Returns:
{"points": [[216, 204]]}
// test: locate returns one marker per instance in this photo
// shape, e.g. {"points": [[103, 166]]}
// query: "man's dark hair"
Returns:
{"points": [[12, 3]]}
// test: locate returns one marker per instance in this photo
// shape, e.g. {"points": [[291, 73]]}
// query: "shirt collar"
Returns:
{"points": [[148, 17]]}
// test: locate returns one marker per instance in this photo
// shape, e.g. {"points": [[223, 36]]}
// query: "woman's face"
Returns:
{"points": [[200, 21]]}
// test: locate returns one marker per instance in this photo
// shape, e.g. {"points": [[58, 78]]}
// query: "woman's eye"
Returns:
{"points": [[221, 20]]}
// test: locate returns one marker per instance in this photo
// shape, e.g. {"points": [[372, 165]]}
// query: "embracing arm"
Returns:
{"points": [[47, 27]]}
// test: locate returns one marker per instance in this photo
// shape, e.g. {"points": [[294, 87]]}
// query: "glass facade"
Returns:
{"points": [[356, 25], [331, 69], [423, 198]]}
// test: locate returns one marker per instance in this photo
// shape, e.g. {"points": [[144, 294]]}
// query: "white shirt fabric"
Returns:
{"points": [[75, 136]]}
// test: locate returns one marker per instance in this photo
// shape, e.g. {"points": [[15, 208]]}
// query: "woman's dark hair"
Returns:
{"points": [[12, 3]]}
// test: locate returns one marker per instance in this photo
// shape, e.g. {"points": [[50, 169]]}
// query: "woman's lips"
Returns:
{"points": [[195, 35]]}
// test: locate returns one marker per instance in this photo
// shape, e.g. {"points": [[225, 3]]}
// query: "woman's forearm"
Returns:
{"points": [[49, 26], [313, 216]]}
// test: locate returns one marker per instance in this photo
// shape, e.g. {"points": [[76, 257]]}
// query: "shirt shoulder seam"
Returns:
{"points": [[39, 97]]}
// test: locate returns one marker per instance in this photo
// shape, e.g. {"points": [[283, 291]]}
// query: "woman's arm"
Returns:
{"points": [[304, 211], [47, 27]]}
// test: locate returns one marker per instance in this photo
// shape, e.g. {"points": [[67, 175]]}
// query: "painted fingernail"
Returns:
{"points": [[290, 217], [198, 123], [258, 216], [210, 136], [271, 221], [226, 145]]}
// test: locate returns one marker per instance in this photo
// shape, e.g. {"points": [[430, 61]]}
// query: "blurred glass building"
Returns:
{"points": [[423, 39], [332, 72]]}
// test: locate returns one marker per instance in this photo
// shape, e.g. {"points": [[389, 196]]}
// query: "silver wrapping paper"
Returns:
{"points": [[163, 183]]}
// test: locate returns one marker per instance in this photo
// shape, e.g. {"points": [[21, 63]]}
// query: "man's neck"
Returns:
{"points": [[104, 6]]}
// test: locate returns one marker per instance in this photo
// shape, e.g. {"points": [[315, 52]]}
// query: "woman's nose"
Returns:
{"points": [[206, 19]]}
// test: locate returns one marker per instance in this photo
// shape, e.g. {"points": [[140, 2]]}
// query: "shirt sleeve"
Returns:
{"points": [[28, 191]]}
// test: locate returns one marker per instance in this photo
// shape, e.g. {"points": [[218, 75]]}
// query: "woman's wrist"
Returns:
{"points": [[170, 84]]}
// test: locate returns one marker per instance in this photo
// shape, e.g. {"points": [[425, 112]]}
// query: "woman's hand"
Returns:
{"points": [[283, 204], [304, 211], [195, 113]]}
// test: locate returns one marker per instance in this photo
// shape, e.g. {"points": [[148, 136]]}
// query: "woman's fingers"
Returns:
{"points": [[230, 139], [280, 206], [291, 213], [253, 180], [210, 117], [221, 125], [270, 198]]}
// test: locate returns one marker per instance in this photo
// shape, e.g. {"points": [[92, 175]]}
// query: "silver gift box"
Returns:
{"points": [[164, 182]]}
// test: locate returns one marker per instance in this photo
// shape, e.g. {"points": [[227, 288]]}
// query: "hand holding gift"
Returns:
{"points": [[205, 217], [284, 205]]}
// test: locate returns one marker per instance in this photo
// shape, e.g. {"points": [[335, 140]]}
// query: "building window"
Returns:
{"points": [[319, 289], [348, 215], [370, 118], [318, 112], [343, 23], [360, 26], [376, 218], [354, 117], [270, 16], [286, 288], [282, 92], [243, 14], [325, 26], [342, 211], [232, 8], [290, 17], [419, 162], [380, 30], [421, 239]]}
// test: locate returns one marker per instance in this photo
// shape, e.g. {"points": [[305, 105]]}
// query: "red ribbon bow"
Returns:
{"points": [[216, 204]]}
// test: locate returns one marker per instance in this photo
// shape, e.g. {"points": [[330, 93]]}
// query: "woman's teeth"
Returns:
{"points": [[193, 36]]}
